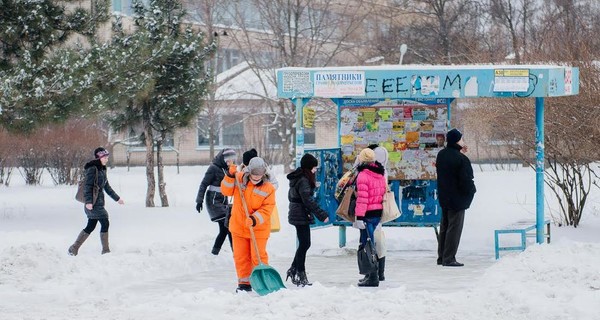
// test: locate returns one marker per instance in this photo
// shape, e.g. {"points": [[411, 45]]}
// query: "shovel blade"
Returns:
{"points": [[264, 280]]}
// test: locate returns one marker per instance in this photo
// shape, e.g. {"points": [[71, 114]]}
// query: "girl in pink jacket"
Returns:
{"points": [[370, 188]]}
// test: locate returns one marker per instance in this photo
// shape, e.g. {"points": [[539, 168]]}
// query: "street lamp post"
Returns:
{"points": [[403, 48]]}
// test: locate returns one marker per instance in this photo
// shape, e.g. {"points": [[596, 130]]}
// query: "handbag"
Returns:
{"points": [[367, 258], [81, 185], [345, 181], [345, 210], [390, 208]]}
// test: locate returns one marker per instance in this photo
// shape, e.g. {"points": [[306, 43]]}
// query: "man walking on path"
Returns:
{"points": [[455, 193]]}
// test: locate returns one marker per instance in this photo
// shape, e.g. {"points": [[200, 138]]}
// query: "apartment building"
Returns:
{"points": [[254, 37]]}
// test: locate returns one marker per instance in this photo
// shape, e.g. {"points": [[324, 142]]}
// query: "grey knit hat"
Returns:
{"points": [[257, 166]]}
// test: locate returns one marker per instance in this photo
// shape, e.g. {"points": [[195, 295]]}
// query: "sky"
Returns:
{"points": [[161, 267]]}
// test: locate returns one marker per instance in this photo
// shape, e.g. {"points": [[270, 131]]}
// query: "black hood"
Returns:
{"points": [[295, 176], [373, 166], [219, 160], [95, 163]]}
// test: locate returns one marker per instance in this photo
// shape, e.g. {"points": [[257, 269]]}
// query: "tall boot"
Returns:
{"points": [[381, 269], [302, 279], [291, 273], [372, 281], [104, 241], [74, 249], [365, 278]]}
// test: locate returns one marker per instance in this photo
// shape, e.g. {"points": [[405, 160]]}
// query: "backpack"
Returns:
{"points": [[81, 185]]}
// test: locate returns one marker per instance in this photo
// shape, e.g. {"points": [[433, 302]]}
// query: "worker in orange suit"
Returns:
{"points": [[259, 194]]}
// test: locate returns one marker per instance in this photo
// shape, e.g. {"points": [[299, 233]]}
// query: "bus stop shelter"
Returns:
{"points": [[405, 108]]}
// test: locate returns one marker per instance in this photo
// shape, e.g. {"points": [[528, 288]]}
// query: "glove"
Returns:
{"points": [[232, 170], [198, 206], [358, 224]]}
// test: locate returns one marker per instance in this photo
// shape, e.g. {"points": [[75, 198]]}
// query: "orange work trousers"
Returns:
{"points": [[244, 256]]}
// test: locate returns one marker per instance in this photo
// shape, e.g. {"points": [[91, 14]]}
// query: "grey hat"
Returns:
{"points": [[257, 166]]}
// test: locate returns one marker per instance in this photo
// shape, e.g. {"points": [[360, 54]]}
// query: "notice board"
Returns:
{"points": [[412, 131]]}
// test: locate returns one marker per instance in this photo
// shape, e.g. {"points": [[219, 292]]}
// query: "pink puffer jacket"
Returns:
{"points": [[370, 188]]}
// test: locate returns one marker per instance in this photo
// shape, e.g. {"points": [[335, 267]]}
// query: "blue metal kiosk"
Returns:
{"points": [[408, 106]]}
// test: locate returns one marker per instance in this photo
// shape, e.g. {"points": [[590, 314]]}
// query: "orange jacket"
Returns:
{"points": [[260, 200]]}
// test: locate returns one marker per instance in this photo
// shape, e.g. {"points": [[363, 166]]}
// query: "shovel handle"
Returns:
{"points": [[237, 184]]}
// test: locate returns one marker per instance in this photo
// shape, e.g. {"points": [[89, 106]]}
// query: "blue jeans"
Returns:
{"points": [[369, 231]]}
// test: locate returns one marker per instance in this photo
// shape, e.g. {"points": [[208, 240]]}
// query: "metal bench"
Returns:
{"points": [[526, 228]]}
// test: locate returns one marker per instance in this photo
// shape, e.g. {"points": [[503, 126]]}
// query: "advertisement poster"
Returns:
{"points": [[413, 132]]}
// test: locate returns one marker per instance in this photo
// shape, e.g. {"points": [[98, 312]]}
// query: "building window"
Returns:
{"points": [[273, 138], [229, 131], [136, 138], [310, 135], [233, 131]]}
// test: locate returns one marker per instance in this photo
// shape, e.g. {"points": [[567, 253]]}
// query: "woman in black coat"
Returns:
{"points": [[96, 183], [217, 204], [302, 211]]}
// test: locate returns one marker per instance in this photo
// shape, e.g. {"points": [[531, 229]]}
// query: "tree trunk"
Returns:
{"points": [[164, 201], [149, 141]]}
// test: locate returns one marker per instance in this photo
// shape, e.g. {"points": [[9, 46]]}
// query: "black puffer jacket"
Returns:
{"points": [[98, 211], [303, 206], [216, 203], [455, 178]]}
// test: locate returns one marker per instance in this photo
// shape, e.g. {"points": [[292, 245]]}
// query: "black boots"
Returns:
{"points": [[74, 249], [291, 273], [302, 280], [371, 280], [380, 271], [243, 287], [298, 277]]}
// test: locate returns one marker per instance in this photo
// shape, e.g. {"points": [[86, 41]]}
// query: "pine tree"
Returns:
{"points": [[155, 77], [43, 80]]}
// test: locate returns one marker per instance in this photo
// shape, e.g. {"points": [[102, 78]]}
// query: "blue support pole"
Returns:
{"points": [[539, 169], [299, 103]]}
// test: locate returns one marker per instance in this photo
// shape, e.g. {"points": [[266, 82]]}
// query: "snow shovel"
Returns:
{"points": [[264, 279]]}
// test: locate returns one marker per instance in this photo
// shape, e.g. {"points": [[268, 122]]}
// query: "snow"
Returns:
{"points": [[242, 83], [161, 267]]}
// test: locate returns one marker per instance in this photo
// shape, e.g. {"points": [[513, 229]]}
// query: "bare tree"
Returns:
{"points": [[515, 16], [302, 33], [439, 35]]}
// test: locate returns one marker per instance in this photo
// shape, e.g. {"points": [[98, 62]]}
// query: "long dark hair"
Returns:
{"points": [[312, 179]]}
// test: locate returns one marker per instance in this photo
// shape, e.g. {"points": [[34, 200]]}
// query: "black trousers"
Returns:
{"points": [[91, 225], [223, 233], [450, 232], [303, 234]]}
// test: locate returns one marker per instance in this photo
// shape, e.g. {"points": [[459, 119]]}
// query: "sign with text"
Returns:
{"points": [[511, 80], [339, 83]]}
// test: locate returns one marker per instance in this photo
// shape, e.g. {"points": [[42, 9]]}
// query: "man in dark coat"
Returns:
{"points": [[455, 193], [217, 204]]}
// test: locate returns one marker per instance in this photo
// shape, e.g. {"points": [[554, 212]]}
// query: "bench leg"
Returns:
{"points": [[548, 232], [523, 240], [496, 248], [342, 236]]}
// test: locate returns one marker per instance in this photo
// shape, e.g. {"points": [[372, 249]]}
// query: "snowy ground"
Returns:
{"points": [[161, 267]]}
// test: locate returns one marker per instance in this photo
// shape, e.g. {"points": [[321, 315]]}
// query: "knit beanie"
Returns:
{"points": [[257, 166], [100, 153], [308, 162], [229, 154], [453, 136], [366, 155], [246, 156]]}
